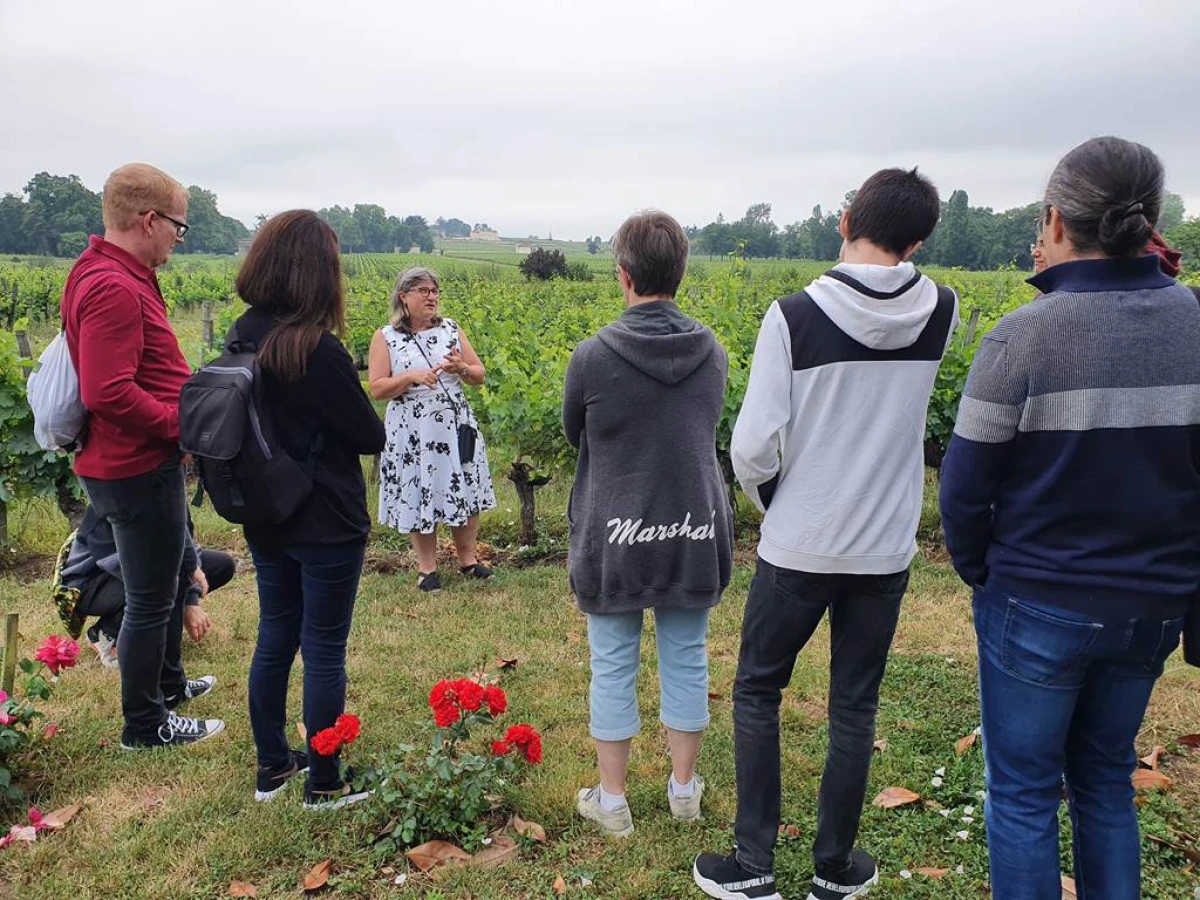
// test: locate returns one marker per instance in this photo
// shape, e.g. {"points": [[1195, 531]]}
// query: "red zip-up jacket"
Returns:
{"points": [[129, 363]]}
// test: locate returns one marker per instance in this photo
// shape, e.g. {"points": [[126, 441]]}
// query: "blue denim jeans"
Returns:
{"points": [[1063, 695], [306, 600], [616, 644]]}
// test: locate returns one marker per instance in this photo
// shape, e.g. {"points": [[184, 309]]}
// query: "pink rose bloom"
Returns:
{"points": [[57, 653]]}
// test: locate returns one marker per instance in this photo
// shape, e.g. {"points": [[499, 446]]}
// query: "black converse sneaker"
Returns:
{"points": [[177, 731], [271, 781], [335, 798], [724, 878], [195, 687], [856, 880]]}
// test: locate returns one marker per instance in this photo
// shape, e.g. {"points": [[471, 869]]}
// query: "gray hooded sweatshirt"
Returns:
{"points": [[649, 511]]}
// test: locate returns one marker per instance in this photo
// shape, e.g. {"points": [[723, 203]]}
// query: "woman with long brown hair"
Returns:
{"points": [[308, 566]]}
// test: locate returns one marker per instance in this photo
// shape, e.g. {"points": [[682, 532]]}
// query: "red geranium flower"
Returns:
{"points": [[445, 715], [499, 748], [470, 694], [497, 702], [327, 742], [57, 653], [348, 728]]}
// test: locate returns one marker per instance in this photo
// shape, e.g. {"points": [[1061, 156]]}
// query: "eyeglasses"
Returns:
{"points": [[426, 291], [181, 228]]}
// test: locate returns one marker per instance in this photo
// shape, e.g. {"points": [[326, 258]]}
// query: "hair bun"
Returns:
{"points": [[1124, 230]]}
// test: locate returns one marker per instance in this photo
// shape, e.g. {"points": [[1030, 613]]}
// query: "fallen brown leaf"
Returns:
{"points": [[318, 876], [60, 817], [501, 850], [531, 830], [1190, 853], [1150, 780], [713, 695], [503, 663], [789, 831], [560, 886], [965, 743], [1068, 889], [881, 745], [890, 798], [302, 731], [1150, 761], [435, 853], [410, 614], [242, 889], [931, 872], [1192, 741]]}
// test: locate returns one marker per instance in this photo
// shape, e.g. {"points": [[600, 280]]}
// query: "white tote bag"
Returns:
{"points": [[53, 392]]}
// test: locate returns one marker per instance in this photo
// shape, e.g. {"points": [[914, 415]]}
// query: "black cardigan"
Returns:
{"points": [[330, 401]]}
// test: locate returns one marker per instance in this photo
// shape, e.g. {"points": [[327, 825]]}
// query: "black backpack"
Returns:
{"points": [[224, 423]]}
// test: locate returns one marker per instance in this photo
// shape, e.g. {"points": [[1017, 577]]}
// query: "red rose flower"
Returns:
{"points": [[527, 740], [533, 750], [495, 699], [470, 694], [499, 748], [445, 715], [442, 693], [57, 653], [348, 728], [327, 742]]}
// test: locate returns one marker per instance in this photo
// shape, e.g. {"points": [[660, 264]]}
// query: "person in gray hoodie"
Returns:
{"points": [[829, 446], [651, 526]]}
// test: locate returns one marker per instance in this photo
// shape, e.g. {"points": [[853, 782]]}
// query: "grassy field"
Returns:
{"points": [[185, 824]]}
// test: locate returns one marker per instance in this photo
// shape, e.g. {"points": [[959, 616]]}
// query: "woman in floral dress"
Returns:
{"points": [[419, 362]]}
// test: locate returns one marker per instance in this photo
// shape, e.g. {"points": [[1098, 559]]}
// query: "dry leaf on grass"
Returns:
{"points": [[890, 798], [242, 889], [1189, 853], [303, 732], [56, 820], [1068, 889], [560, 886], [881, 745], [1150, 780], [501, 850], [1192, 741], [503, 663], [931, 872], [531, 830], [1150, 761], [965, 743], [435, 853], [713, 695], [789, 831], [318, 876]]}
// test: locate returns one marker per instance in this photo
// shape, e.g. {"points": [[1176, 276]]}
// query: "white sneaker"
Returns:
{"points": [[618, 823], [686, 809], [106, 649]]}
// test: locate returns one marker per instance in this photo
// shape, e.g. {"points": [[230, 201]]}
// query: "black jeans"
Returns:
{"points": [[103, 596], [306, 600], [148, 514], [782, 612]]}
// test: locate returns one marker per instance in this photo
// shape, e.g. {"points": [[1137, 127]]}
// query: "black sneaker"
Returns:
{"points": [[477, 570], [177, 731], [859, 876], [271, 781], [429, 582], [195, 687], [724, 878], [335, 798]]}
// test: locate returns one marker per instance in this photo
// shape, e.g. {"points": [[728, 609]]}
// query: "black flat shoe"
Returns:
{"points": [[477, 570], [429, 582]]}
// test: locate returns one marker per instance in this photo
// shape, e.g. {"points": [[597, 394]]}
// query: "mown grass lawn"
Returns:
{"points": [[184, 824]]}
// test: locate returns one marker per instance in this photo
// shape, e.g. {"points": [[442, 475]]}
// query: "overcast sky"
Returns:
{"points": [[567, 116]]}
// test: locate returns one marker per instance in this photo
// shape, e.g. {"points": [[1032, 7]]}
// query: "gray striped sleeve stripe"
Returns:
{"points": [[1125, 407], [987, 423]]}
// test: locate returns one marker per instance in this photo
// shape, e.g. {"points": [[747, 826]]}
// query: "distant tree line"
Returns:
{"points": [[369, 229], [972, 237]]}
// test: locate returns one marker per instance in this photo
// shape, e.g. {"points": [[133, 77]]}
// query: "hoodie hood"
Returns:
{"points": [[659, 340], [881, 307]]}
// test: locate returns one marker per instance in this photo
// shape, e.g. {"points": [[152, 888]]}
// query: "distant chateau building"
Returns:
{"points": [[485, 234], [243, 245]]}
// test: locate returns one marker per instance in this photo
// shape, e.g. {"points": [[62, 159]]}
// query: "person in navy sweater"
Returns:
{"points": [[1070, 499]]}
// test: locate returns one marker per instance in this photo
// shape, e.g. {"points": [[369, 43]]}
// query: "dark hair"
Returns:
{"points": [[653, 249], [894, 209], [1109, 193], [294, 272]]}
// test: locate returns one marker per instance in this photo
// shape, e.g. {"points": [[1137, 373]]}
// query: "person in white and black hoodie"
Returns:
{"points": [[829, 445]]}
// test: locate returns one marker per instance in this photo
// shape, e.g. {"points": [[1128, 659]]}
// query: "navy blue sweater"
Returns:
{"points": [[1073, 476]]}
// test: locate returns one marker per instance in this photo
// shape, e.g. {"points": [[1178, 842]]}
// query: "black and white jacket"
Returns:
{"points": [[830, 439]]}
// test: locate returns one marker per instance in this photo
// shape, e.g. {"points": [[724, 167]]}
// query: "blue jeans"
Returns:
{"points": [[616, 644], [1063, 694], [306, 600], [148, 514]]}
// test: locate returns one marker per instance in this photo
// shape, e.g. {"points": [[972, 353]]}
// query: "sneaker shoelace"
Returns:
{"points": [[182, 725]]}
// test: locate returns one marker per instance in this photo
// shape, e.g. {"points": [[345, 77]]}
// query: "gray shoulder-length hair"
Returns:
{"points": [[405, 282]]}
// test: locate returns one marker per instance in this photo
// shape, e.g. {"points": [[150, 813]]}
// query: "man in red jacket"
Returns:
{"points": [[130, 372]]}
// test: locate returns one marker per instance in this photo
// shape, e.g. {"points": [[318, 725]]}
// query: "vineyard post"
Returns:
{"points": [[12, 309], [12, 636], [3, 524], [24, 351], [972, 324], [206, 324]]}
